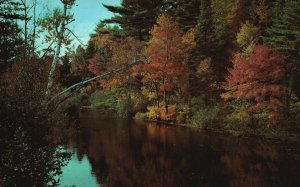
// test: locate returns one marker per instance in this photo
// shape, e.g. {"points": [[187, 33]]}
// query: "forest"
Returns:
{"points": [[230, 65]]}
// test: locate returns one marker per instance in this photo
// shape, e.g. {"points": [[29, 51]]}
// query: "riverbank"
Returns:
{"points": [[270, 133], [274, 133]]}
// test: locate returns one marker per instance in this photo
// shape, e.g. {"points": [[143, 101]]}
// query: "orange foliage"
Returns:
{"points": [[165, 49], [122, 52], [259, 77], [171, 115]]}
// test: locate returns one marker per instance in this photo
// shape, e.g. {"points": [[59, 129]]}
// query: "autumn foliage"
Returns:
{"points": [[165, 53], [259, 78], [114, 54], [166, 50]]}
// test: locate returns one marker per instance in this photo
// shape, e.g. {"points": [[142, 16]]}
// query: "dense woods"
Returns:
{"points": [[206, 63], [217, 64]]}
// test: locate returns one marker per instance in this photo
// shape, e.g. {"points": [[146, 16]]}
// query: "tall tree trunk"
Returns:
{"points": [[34, 28], [156, 93], [289, 94], [57, 51], [25, 28], [166, 102]]}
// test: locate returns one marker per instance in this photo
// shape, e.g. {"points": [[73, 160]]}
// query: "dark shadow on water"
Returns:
{"points": [[127, 153]]}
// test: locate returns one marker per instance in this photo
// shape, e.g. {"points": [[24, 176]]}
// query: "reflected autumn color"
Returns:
{"points": [[128, 153]]}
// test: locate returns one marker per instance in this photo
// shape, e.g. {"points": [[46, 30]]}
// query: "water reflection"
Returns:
{"points": [[79, 173], [131, 154]]}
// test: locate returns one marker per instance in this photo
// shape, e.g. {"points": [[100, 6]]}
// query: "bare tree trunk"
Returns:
{"points": [[166, 103], [82, 83], [289, 94], [34, 27], [156, 93], [25, 27], [57, 51]]}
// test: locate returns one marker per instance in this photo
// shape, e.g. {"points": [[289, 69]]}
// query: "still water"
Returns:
{"points": [[109, 152]]}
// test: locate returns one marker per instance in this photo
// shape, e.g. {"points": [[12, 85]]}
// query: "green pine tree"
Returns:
{"points": [[185, 12], [10, 33], [284, 35], [136, 17], [211, 43]]}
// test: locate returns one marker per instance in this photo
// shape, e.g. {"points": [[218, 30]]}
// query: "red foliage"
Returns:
{"points": [[259, 77], [93, 65], [122, 52], [166, 53]]}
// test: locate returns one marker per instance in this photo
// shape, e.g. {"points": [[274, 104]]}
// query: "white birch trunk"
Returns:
{"points": [[57, 51]]}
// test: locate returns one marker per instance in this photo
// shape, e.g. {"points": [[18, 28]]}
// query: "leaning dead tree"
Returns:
{"points": [[68, 92]]}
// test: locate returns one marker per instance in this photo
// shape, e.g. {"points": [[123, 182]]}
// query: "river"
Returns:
{"points": [[109, 152]]}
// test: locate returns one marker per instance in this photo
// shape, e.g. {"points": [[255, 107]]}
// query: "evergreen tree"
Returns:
{"points": [[136, 17], [10, 33], [185, 12], [210, 42], [205, 31], [284, 35]]}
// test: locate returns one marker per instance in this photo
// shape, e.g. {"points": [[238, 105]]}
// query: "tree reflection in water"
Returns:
{"points": [[132, 154], [30, 161]]}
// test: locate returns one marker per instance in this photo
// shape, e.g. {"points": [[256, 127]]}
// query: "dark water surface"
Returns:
{"points": [[108, 152]]}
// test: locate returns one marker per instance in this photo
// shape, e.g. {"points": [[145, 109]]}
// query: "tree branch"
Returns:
{"points": [[76, 37], [82, 83], [70, 21], [47, 50]]}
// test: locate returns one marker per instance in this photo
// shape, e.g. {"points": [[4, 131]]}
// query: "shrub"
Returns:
{"points": [[27, 155], [124, 107], [152, 113], [240, 116], [206, 117], [103, 99], [139, 102], [140, 116], [182, 113]]}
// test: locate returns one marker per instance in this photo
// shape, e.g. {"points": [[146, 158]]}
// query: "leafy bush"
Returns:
{"points": [[139, 102], [103, 99], [124, 107], [140, 116], [182, 112], [206, 117], [197, 103], [152, 113], [28, 156], [239, 117]]}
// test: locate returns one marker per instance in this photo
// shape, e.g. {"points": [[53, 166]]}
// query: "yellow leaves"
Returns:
{"points": [[204, 66], [233, 11], [248, 35], [103, 41], [188, 43], [188, 39], [262, 11], [86, 89], [148, 93], [226, 96], [153, 112]]}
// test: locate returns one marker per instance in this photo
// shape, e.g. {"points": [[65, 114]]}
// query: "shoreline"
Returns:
{"points": [[278, 135]]}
